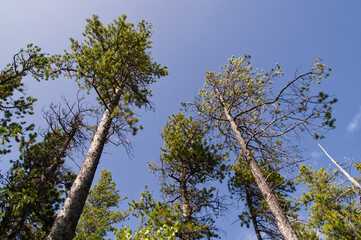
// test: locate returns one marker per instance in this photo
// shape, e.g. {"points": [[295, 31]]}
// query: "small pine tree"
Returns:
{"points": [[34, 188], [97, 218], [334, 208]]}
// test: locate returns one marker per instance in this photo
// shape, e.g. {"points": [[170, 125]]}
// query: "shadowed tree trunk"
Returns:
{"points": [[253, 217]]}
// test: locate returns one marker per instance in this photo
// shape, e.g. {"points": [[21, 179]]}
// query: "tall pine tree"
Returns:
{"points": [[114, 61]]}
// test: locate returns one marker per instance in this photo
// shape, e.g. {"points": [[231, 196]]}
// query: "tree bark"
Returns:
{"points": [[283, 223], [186, 208], [65, 223], [253, 217]]}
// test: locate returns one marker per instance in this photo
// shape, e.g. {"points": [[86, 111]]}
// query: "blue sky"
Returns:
{"points": [[192, 36]]}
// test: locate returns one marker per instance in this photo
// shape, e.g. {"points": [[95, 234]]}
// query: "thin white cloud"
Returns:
{"points": [[355, 123]]}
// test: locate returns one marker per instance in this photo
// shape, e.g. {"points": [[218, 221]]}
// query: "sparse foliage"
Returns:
{"points": [[257, 118], [14, 104], [257, 213]]}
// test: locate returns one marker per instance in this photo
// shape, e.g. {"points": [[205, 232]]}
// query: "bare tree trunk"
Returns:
{"points": [[253, 217], [283, 223], [65, 223]]}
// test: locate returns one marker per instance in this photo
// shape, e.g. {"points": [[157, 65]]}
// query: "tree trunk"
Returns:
{"points": [[27, 209], [65, 223], [253, 217], [186, 209], [283, 223]]}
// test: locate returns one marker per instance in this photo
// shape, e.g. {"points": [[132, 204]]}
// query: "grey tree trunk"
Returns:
{"points": [[65, 223], [283, 223]]}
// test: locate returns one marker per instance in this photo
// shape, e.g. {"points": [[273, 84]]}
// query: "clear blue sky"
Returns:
{"points": [[192, 36]]}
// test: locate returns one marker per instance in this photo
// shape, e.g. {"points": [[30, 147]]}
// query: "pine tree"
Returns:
{"points": [[35, 188], [243, 187], [98, 216], [158, 220], [189, 163], [255, 118], [113, 61], [333, 207], [14, 104]]}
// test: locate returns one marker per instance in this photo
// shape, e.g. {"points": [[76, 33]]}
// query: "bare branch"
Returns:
{"points": [[354, 182]]}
